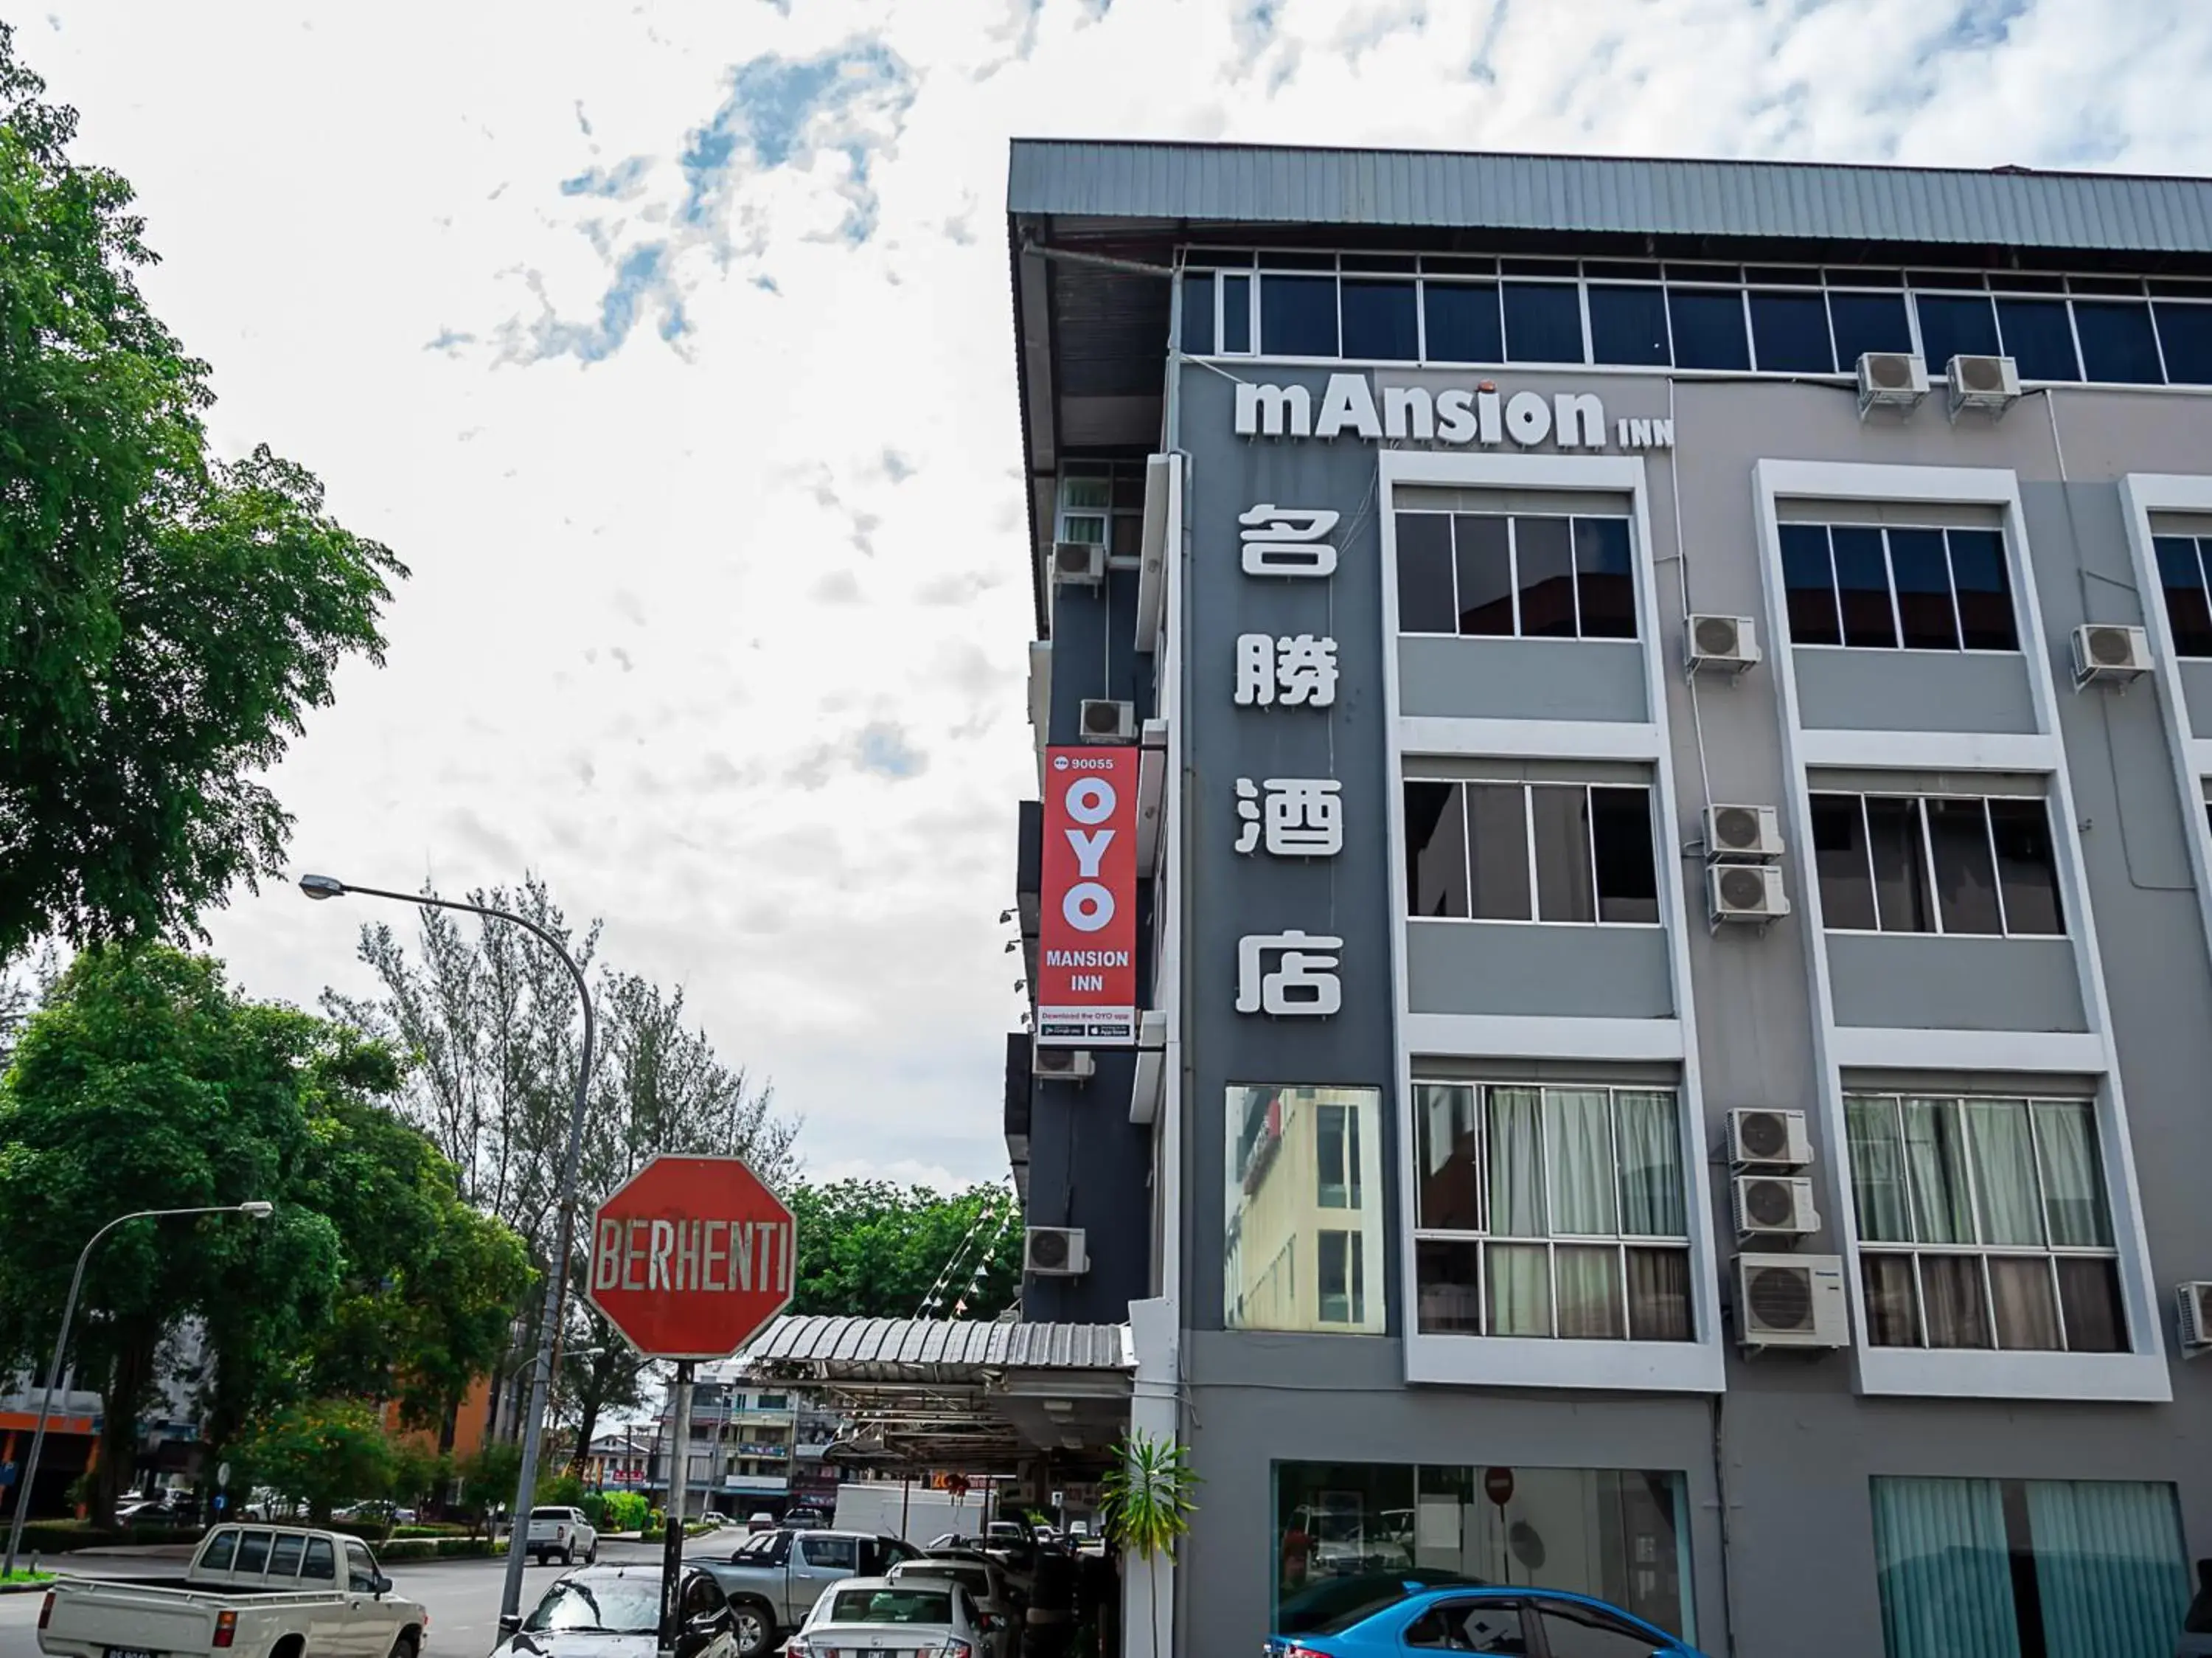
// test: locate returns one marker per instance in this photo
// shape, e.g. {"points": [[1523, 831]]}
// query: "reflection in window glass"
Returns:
{"points": [[1923, 577], [1544, 563], [1790, 333], [1435, 849], [1461, 318], [2038, 337], [2185, 333], [1562, 832], [1497, 835], [1198, 313], [1379, 321], [1620, 835], [1605, 586], [1298, 316], [1628, 325], [1708, 328], [2116, 342], [1953, 325], [1302, 1220], [1839, 855], [1426, 604], [1867, 322], [1809, 580], [2027, 869], [1900, 864], [1482, 554], [1543, 322], [1450, 1195], [1862, 586], [1965, 873], [1984, 591], [1236, 315], [2182, 576]]}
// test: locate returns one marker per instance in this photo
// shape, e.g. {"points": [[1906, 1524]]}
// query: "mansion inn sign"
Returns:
{"points": [[1480, 414]]}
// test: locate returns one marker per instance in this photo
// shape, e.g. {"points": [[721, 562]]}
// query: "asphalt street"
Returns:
{"points": [[462, 1595]]}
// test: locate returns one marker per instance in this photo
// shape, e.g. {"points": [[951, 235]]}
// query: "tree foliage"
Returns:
{"points": [[321, 1454], [873, 1249], [169, 618]]}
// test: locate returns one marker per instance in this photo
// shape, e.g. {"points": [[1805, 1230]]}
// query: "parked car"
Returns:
{"points": [[999, 1608], [1492, 1618], [614, 1612], [774, 1578], [924, 1619], [249, 1591], [1334, 1600], [761, 1521], [562, 1531]]}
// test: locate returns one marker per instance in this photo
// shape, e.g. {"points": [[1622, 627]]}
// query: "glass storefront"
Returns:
{"points": [[1620, 1534]]}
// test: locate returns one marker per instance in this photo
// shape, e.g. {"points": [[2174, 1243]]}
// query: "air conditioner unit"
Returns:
{"points": [[1790, 1300], [1078, 564], [2195, 1304], [2105, 651], [1106, 722], [1743, 832], [1775, 1138], [1745, 891], [1991, 383], [1774, 1206], [1891, 379], [1727, 644], [1054, 1252], [1063, 1065]]}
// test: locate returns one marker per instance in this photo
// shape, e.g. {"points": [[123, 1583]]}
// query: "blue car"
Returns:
{"points": [[1519, 1623]]}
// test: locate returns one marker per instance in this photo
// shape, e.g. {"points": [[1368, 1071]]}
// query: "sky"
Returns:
{"points": [[670, 345]]}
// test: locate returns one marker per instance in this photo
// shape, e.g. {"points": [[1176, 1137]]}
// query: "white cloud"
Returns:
{"points": [[707, 473]]}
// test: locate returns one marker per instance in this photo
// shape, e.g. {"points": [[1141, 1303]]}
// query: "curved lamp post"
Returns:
{"points": [[556, 1281], [257, 1208]]}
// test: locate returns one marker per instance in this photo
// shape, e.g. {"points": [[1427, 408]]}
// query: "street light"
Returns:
{"points": [[556, 1281], [257, 1208]]}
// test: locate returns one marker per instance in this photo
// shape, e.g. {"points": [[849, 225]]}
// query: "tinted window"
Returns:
{"points": [[1604, 589], [1198, 314], [2116, 342], [1952, 324], [1436, 850], [1628, 325], [1544, 571], [1621, 833], [320, 1562], [1298, 316], [1862, 585], [1922, 573], [1985, 592], [1379, 321], [1498, 832], [904, 1603], [1482, 560], [2186, 332], [1839, 853], [253, 1551], [221, 1549], [1867, 322], [1424, 574], [1561, 817], [1900, 864], [1236, 313], [1965, 873], [2027, 870], [1790, 333], [284, 1558], [832, 1551], [2039, 336], [1462, 322], [1810, 581], [361, 1571], [1543, 322], [1708, 328], [1577, 1632], [2186, 610]]}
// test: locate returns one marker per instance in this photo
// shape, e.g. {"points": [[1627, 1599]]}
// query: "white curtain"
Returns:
{"points": [[1517, 1162], [1652, 1204], [1589, 1292], [2073, 1184], [1579, 1124], [1877, 1169], [1943, 1207], [1520, 1284], [2004, 1171]]}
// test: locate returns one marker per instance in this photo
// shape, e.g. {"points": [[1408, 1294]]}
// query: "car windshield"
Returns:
{"points": [[758, 1542], [974, 1579], [613, 1606], [892, 1606]]}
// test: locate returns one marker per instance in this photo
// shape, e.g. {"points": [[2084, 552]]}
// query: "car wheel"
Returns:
{"points": [[593, 1558], [569, 1555], [750, 1624], [404, 1647]]}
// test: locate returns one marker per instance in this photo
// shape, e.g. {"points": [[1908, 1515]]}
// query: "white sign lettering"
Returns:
{"points": [[1480, 415], [1303, 983], [1286, 540], [1303, 817], [1296, 670]]}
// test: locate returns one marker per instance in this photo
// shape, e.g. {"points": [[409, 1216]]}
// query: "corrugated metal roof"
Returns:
{"points": [[883, 1345], [1251, 184]]}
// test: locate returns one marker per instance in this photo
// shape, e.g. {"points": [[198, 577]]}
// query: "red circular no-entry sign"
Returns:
{"points": [[691, 1255]]}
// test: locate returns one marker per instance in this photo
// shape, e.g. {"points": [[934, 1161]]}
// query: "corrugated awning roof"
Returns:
{"points": [[854, 1349], [1249, 184]]}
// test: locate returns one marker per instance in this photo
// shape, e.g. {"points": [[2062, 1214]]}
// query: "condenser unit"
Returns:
{"points": [[1765, 1138], [1891, 379], [1746, 834], [1790, 1300], [1101, 721], [1742, 893], [1990, 384], [1722, 645], [1078, 564], [1054, 1252], [2108, 652], [1774, 1206]]}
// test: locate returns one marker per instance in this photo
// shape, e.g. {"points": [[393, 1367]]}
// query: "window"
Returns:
{"points": [[1463, 324], [1789, 331], [360, 1570], [1198, 313], [2006, 1568], [1551, 1212], [1576, 1632], [830, 1553], [221, 1549], [320, 1563], [1381, 321], [1881, 588], [2181, 573], [2116, 342], [1297, 315], [284, 1555], [253, 1553], [1628, 325], [1543, 322], [1867, 322], [1302, 1164], [1708, 327], [1496, 575], [1956, 325], [1982, 1223], [1944, 864], [2185, 337], [1351, 1538], [2038, 337], [1482, 851], [1102, 503]]}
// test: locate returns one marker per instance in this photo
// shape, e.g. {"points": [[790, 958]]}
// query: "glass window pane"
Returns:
{"points": [[319, 1563], [1448, 1287], [2003, 1145], [1579, 1137], [1498, 826], [1450, 1194], [2186, 332], [1628, 875], [1658, 1294], [1790, 333], [1236, 315], [1879, 1196], [1628, 325], [1298, 316], [1708, 325], [1338, 1273], [2025, 1302], [1561, 830], [253, 1553], [1966, 875], [1289, 1263], [220, 1553], [1589, 1296], [1935, 1160], [1198, 313], [1900, 870], [1978, 571], [1952, 324], [1513, 1151], [1867, 322], [1923, 576], [1462, 322], [1379, 323], [1543, 322], [1810, 581], [1651, 1182], [2038, 337], [2073, 1178], [1336, 1158], [1326, 1513], [1954, 1307], [284, 1558], [1520, 1288], [1891, 1300], [1483, 551], [2089, 1296], [1436, 850], [1862, 586], [1424, 574], [1605, 587], [2116, 342], [2186, 611], [2027, 870], [1839, 855], [1944, 1569], [1544, 565]]}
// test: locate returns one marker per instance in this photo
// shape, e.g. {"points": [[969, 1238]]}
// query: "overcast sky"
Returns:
{"points": [[670, 344]]}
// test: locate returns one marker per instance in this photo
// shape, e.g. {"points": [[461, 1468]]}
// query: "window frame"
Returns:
{"points": [[1896, 605], [1112, 516], [1926, 851], [1512, 521], [1535, 917]]}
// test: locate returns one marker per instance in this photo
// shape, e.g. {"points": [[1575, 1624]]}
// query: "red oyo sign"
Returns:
{"points": [[1086, 988], [691, 1255]]}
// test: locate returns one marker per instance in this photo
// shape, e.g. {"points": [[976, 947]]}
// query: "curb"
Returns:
{"points": [[24, 1588]]}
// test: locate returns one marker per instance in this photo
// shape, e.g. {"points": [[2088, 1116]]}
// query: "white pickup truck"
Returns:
{"points": [[250, 1592]]}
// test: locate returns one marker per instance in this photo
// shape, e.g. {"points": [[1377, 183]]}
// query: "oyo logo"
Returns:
{"points": [[1088, 905]]}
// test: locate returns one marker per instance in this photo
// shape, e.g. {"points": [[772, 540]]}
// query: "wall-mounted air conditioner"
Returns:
{"points": [[1078, 564], [1054, 1252], [1990, 384], [1759, 1137], [1790, 1300], [1722, 645], [1774, 1206], [1744, 833], [1101, 721], [1891, 379], [1743, 893], [1064, 1064], [2195, 1301], [2107, 652]]}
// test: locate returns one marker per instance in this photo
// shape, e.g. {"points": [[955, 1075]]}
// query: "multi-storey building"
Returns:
{"points": [[740, 1444], [1664, 1041]]}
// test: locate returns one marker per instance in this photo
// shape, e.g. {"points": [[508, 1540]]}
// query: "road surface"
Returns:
{"points": [[462, 1595]]}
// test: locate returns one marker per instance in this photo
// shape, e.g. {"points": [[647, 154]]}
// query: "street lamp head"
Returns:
{"points": [[322, 886], [259, 1208]]}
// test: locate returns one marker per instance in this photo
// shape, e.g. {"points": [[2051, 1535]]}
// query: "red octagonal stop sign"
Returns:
{"points": [[691, 1255]]}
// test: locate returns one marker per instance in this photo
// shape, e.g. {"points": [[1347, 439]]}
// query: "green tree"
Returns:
{"points": [[873, 1249], [322, 1453], [489, 1477], [169, 618]]}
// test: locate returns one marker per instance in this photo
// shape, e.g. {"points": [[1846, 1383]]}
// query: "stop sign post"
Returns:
{"points": [[689, 1257]]}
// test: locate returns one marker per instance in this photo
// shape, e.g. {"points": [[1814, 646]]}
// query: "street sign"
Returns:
{"points": [[691, 1255], [222, 1476], [1497, 1485]]}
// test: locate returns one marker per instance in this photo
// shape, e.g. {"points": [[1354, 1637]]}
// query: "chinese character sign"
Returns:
{"points": [[1086, 988]]}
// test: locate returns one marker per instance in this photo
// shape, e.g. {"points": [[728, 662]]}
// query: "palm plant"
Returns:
{"points": [[1144, 1504]]}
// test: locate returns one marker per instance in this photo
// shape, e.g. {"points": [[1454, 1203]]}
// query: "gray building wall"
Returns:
{"points": [[1791, 1441]]}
